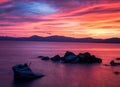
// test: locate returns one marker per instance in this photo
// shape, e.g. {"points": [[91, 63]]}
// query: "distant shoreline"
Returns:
{"points": [[56, 42], [60, 39]]}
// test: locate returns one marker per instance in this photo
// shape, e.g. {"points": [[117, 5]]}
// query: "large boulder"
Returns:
{"points": [[56, 58], [22, 72], [69, 57]]}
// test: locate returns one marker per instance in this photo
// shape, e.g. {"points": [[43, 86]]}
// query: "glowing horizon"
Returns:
{"points": [[78, 18]]}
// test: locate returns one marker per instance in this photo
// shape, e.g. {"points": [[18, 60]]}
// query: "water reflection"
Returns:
{"points": [[59, 75]]}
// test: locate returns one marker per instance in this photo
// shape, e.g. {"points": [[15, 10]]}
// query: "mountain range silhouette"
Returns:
{"points": [[59, 39]]}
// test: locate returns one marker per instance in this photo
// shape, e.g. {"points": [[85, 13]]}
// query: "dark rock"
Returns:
{"points": [[68, 53], [22, 72], [97, 60], [112, 63], [68, 57], [87, 54], [56, 58], [88, 58], [75, 60], [117, 58], [44, 57], [80, 55], [116, 72]]}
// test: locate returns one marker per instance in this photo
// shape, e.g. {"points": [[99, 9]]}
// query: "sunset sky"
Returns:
{"points": [[72, 18]]}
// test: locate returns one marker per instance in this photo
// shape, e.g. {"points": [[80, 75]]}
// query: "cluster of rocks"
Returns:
{"points": [[70, 57]]}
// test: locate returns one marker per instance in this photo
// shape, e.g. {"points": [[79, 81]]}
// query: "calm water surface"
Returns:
{"points": [[59, 75]]}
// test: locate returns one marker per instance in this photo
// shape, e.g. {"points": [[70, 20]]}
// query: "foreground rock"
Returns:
{"points": [[22, 72]]}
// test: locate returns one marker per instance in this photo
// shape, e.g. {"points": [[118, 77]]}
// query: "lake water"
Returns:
{"points": [[57, 74]]}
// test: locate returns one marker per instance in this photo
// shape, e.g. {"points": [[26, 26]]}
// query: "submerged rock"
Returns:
{"points": [[23, 72], [56, 58]]}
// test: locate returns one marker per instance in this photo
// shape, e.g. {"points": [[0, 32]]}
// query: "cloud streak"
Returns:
{"points": [[76, 18]]}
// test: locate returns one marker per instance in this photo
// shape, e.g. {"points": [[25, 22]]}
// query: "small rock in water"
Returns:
{"points": [[116, 72]]}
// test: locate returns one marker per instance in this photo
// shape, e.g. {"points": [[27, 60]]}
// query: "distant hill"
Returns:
{"points": [[60, 39]]}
